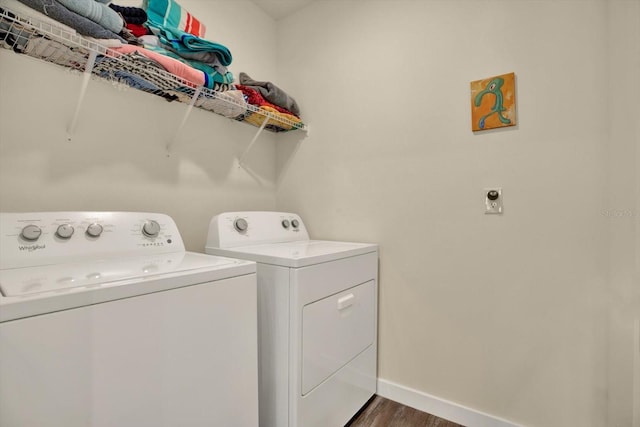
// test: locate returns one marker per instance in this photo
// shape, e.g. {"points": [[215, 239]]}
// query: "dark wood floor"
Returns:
{"points": [[381, 412]]}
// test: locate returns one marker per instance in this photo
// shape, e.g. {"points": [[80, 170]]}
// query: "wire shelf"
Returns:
{"points": [[52, 43]]}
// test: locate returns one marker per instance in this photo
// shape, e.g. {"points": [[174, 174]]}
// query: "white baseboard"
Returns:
{"points": [[439, 407]]}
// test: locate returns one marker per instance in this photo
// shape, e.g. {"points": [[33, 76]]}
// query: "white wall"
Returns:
{"points": [[508, 314], [117, 159]]}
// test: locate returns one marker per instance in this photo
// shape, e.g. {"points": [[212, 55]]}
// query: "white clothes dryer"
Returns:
{"points": [[106, 320], [317, 317]]}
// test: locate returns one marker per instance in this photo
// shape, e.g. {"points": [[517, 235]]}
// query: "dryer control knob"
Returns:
{"points": [[151, 228], [285, 223], [241, 224], [65, 231], [31, 232], [94, 230], [295, 223]]}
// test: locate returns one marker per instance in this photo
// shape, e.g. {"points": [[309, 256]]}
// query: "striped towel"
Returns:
{"points": [[169, 14]]}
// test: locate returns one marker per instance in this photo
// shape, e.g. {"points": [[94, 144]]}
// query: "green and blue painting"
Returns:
{"points": [[493, 102]]}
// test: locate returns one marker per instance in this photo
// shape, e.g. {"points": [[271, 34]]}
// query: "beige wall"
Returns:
{"points": [[508, 315], [117, 159], [623, 214]]}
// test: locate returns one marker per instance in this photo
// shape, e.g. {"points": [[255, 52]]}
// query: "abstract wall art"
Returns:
{"points": [[493, 102]]}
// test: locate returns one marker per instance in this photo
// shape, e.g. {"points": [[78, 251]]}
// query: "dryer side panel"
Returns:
{"points": [[273, 344]]}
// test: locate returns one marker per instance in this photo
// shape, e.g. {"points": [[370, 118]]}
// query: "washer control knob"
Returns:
{"points": [[295, 223], [151, 228], [31, 232], [65, 231], [241, 225], [94, 230], [285, 223]]}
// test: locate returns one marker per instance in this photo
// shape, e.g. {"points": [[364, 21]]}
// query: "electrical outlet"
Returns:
{"points": [[493, 200]]}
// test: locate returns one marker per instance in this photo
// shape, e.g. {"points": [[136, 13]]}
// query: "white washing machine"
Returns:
{"points": [[317, 317], [106, 320]]}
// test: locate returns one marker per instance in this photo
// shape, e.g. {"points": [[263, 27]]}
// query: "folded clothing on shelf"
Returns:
{"points": [[216, 75], [178, 36], [183, 42], [52, 32], [136, 71], [230, 104], [169, 14], [13, 35], [271, 93], [279, 119], [82, 25], [99, 13], [171, 65], [29, 13], [131, 15], [53, 51]]}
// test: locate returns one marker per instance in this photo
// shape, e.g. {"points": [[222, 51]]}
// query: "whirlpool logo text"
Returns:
{"points": [[31, 248]]}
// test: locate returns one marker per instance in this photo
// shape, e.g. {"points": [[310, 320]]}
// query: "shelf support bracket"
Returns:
{"points": [[253, 141], [194, 98], [86, 76]]}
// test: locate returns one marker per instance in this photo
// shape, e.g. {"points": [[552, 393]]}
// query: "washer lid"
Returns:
{"points": [[30, 291], [296, 254], [92, 274]]}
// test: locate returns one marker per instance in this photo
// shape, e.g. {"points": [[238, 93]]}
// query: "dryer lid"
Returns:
{"points": [[296, 254]]}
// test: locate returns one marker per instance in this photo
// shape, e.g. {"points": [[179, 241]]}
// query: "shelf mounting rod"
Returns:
{"points": [[253, 141], [185, 117], [86, 76]]}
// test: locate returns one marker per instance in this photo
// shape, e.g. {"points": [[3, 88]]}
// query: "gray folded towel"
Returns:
{"points": [[55, 10], [271, 93]]}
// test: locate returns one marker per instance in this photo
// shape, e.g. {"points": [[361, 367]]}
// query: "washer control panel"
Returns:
{"points": [[232, 229], [40, 238]]}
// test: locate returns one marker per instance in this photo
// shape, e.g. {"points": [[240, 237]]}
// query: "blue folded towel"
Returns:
{"points": [[181, 41]]}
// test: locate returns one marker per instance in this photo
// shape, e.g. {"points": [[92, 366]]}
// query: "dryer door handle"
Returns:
{"points": [[346, 301]]}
